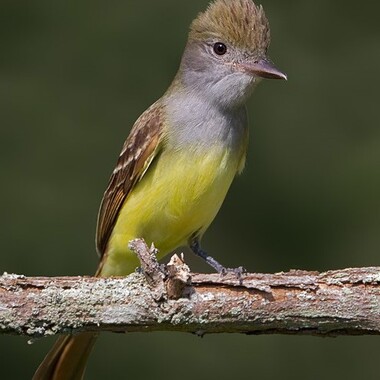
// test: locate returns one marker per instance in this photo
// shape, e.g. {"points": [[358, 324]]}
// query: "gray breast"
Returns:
{"points": [[200, 124]]}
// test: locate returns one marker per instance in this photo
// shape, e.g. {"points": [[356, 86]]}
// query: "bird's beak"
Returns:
{"points": [[263, 68]]}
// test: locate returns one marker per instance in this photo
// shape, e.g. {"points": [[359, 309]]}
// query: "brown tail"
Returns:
{"points": [[67, 359]]}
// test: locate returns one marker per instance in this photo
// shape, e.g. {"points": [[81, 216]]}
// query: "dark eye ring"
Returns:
{"points": [[220, 48]]}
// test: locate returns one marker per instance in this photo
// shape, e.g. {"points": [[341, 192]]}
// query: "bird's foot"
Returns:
{"points": [[238, 272]]}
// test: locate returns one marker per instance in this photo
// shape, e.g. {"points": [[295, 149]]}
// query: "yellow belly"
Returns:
{"points": [[179, 195]]}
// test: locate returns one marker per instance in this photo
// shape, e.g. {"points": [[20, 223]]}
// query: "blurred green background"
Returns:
{"points": [[73, 78]]}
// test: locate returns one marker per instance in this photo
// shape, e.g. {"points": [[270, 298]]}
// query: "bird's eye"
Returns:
{"points": [[220, 48]]}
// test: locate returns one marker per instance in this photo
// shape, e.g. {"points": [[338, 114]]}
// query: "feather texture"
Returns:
{"points": [[138, 152], [240, 22]]}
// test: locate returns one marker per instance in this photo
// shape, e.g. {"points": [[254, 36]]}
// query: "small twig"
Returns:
{"points": [[179, 278], [148, 260]]}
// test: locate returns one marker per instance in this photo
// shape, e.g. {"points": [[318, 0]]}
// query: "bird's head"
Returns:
{"points": [[226, 52]]}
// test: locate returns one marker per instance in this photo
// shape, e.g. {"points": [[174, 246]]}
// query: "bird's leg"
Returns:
{"points": [[196, 248]]}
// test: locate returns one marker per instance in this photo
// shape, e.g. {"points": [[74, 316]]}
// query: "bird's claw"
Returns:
{"points": [[238, 272]]}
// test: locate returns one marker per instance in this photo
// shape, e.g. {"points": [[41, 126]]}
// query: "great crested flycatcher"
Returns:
{"points": [[181, 156]]}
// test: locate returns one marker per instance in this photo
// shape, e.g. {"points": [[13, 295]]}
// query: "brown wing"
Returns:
{"points": [[138, 151]]}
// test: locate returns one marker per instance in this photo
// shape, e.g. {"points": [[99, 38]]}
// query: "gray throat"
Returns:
{"points": [[195, 122]]}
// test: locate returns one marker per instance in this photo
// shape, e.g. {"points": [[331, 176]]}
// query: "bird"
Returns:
{"points": [[181, 156]]}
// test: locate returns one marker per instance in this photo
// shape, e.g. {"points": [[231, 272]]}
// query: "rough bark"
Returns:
{"points": [[339, 302]]}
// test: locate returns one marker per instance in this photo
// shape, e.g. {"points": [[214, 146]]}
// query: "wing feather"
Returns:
{"points": [[139, 150]]}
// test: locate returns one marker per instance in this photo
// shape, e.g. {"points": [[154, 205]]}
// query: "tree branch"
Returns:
{"points": [[340, 302]]}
